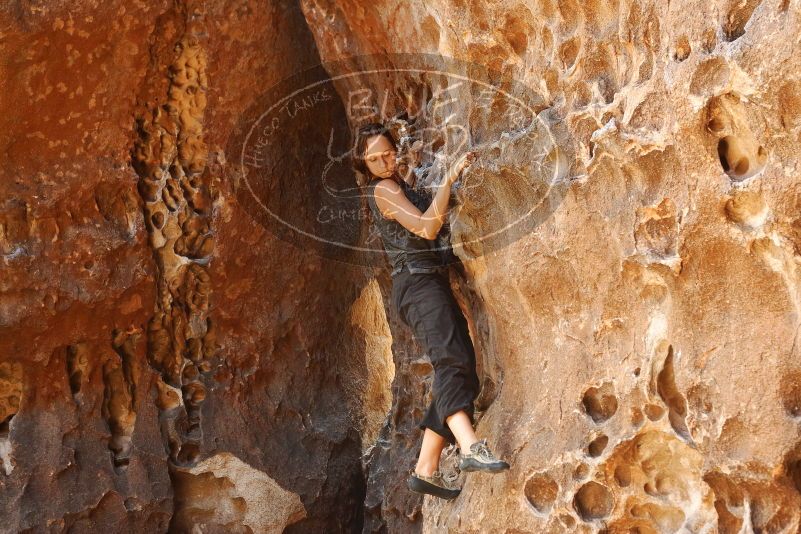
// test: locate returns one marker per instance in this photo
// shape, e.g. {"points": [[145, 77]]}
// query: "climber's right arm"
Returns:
{"points": [[395, 205]]}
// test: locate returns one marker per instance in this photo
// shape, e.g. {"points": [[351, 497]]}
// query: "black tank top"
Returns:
{"points": [[404, 248]]}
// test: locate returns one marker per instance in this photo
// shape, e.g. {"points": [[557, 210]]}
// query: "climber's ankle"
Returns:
{"points": [[425, 468], [466, 445]]}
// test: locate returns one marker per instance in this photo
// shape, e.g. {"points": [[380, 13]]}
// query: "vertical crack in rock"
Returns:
{"points": [[675, 401], [78, 367], [119, 397], [398, 443], [367, 383], [169, 157]]}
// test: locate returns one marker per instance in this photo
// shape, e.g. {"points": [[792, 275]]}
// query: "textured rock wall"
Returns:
{"points": [[166, 364], [644, 337]]}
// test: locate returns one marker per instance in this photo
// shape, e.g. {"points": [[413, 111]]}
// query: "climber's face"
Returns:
{"points": [[380, 156]]}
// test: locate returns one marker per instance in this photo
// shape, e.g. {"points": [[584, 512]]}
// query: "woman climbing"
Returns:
{"points": [[409, 223]]}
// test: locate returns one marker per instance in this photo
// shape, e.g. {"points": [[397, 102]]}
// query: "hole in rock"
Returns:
{"points": [[541, 491], [654, 411], [581, 471], [739, 159], [682, 49], [593, 501], [623, 475], [790, 392], [600, 403], [597, 446]]}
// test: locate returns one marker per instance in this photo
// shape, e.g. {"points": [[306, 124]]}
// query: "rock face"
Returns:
{"points": [[167, 363], [643, 338]]}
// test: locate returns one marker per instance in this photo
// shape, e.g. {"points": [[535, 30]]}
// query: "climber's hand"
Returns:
{"points": [[464, 161]]}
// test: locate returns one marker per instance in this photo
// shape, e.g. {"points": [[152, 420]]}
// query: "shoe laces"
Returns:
{"points": [[447, 478], [482, 450]]}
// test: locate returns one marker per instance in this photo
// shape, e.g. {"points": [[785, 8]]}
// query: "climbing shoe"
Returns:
{"points": [[480, 458], [435, 485]]}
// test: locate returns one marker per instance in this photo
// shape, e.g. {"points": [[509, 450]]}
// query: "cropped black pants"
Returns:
{"points": [[426, 304]]}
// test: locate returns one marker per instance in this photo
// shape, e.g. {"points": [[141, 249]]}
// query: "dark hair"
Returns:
{"points": [[364, 176]]}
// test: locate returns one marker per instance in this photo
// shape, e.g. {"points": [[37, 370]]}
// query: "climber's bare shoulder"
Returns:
{"points": [[393, 203]]}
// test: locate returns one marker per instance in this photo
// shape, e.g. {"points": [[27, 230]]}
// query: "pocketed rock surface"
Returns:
{"points": [[643, 339], [167, 364]]}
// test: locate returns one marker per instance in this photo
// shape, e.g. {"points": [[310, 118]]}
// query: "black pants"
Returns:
{"points": [[426, 304]]}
